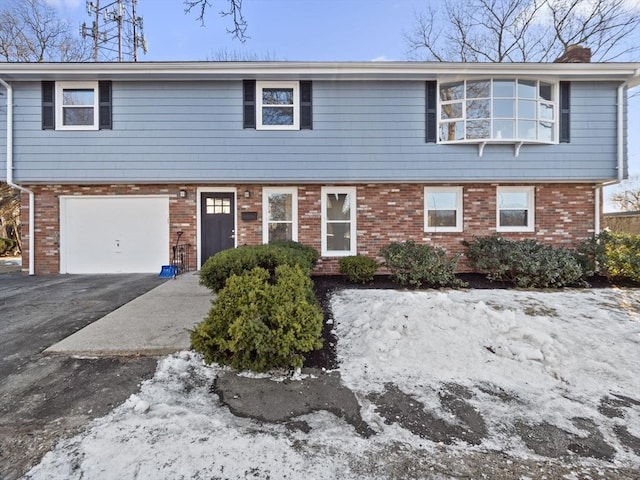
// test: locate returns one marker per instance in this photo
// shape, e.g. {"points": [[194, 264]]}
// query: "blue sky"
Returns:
{"points": [[284, 29], [314, 30]]}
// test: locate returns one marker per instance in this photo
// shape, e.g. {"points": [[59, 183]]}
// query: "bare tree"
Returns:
{"points": [[226, 55], [10, 214], [31, 31], [234, 11], [628, 200], [524, 30]]}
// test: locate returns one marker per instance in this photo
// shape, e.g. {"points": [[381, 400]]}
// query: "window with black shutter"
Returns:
{"points": [[104, 105], [249, 103], [72, 105], [48, 106], [277, 105], [431, 119], [565, 112], [306, 110]]}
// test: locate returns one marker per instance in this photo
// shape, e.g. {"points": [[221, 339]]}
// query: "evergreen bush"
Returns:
{"points": [[357, 268], [525, 263], [416, 265], [615, 255], [218, 268], [258, 322]]}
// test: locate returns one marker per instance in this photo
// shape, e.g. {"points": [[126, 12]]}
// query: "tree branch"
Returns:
{"points": [[234, 11]]}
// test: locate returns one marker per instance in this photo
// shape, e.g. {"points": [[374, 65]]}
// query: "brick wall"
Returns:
{"points": [[385, 213]]}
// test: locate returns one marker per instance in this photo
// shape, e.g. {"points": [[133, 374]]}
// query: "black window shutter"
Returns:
{"points": [[306, 107], [249, 103], [431, 120], [48, 105], [104, 105], [565, 112]]}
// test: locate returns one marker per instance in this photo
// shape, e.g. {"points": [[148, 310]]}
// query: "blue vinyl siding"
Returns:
{"points": [[362, 132]]}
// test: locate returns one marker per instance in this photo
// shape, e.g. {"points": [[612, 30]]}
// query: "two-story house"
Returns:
{"points": [[114, 159]]}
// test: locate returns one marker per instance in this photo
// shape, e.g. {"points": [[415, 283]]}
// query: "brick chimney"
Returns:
{"points": [[575, 54]]}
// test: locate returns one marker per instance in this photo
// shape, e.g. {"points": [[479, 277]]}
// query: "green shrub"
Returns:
{"points": [[416, 265], [310, 253], [217, 269], [357, 268], [257, 323], [590, 254], [615, 255], [7, 245], [525, 263]]}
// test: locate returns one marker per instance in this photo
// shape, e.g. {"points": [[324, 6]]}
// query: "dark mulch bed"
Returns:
{"points": [[325, 285]]}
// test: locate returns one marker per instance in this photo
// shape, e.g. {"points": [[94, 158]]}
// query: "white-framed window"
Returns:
{"points": [[338, 221], [443, 209], [279, 214], [76, 105], [512, 109], [278, 105], [515, 209]]}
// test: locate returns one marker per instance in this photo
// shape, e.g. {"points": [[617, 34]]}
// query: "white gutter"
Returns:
{"points": [[596, 226], [10, 175]]}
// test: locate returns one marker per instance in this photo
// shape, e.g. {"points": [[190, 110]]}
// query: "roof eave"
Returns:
{"points": [[315, 70]]}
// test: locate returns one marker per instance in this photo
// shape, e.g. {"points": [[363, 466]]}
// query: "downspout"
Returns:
{"points": [[596, 226], [32, 215]]}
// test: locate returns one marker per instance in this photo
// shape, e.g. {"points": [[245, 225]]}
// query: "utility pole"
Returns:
{"points": [[116, 30]]}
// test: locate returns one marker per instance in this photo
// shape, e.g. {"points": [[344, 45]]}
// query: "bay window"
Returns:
{"points": [[517, 110]]}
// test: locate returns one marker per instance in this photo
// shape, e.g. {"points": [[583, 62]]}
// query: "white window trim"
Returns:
{"points": [[296, 105], [459, 209], [531, 203], [266, 191], [352, 192], [555, 86], [60, 87]]}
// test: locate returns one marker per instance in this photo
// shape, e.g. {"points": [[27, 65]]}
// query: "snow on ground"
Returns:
{"points": [[558, 353]]}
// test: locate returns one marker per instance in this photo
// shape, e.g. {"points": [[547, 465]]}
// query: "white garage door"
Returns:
{"points": [[113, 234]]}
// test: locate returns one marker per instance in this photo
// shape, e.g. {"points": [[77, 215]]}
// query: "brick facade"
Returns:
{"points": [[564, 214]]}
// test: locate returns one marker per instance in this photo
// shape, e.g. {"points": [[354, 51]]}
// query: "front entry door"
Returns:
{"points": [[218, 226]]}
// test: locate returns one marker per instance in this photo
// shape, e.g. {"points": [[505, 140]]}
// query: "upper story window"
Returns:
{"points": [[278, 105], [76, 105], [515, 109], [281, 105]]}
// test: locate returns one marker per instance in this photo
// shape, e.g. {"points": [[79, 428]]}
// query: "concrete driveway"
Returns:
{"points": [[44, 398]]}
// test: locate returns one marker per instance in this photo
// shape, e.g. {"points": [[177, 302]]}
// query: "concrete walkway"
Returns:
{"points": [[156, 323]]}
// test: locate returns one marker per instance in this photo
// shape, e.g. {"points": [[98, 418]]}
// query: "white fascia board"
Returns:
{"points": [[140, 71]]}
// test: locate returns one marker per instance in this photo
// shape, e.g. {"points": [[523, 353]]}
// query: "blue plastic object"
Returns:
{"points": [[168, 271]]}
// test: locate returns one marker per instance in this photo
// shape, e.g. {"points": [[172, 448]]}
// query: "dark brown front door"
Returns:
{"points": [[217, 216]]}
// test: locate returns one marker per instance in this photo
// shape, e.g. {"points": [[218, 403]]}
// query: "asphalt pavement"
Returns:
{"points": [[103, 334]]}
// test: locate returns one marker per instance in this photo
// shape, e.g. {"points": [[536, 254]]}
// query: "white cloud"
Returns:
{"points": [[381, 58]]}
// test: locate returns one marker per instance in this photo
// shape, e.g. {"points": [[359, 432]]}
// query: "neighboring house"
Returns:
{"points": [[116, 158]]}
